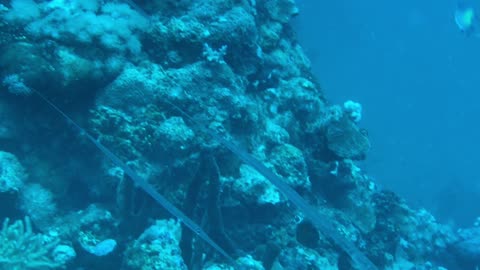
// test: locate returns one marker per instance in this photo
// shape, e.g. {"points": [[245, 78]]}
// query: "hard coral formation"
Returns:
{"points": [[165, 87], [22, 249], [37, 202], [346, 140], [158, 247], [12, 173]]}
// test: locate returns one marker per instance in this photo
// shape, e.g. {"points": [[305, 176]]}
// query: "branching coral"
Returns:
{"points": [[22, 249]]}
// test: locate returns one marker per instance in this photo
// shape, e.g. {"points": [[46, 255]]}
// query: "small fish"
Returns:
{"points": [[466, 19]]}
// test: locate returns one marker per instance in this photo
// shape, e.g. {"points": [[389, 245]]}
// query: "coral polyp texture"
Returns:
{"points": [[23, 249], [187, 134]]}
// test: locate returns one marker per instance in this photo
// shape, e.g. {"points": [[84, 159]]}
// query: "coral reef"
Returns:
{"points": [[12, 173], [23, 249], [211, 109]]}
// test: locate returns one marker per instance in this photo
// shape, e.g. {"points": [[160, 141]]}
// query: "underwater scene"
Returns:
{"points": [[206, 134]]}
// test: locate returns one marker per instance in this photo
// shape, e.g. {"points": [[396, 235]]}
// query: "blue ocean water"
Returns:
{"points": [[416, 76]]}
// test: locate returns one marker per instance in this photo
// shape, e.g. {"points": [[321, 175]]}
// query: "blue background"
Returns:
{"points": [[417, 77]]}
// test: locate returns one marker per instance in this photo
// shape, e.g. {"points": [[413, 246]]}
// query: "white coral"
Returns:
{"points": [[22, 249], [12, 174]]}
